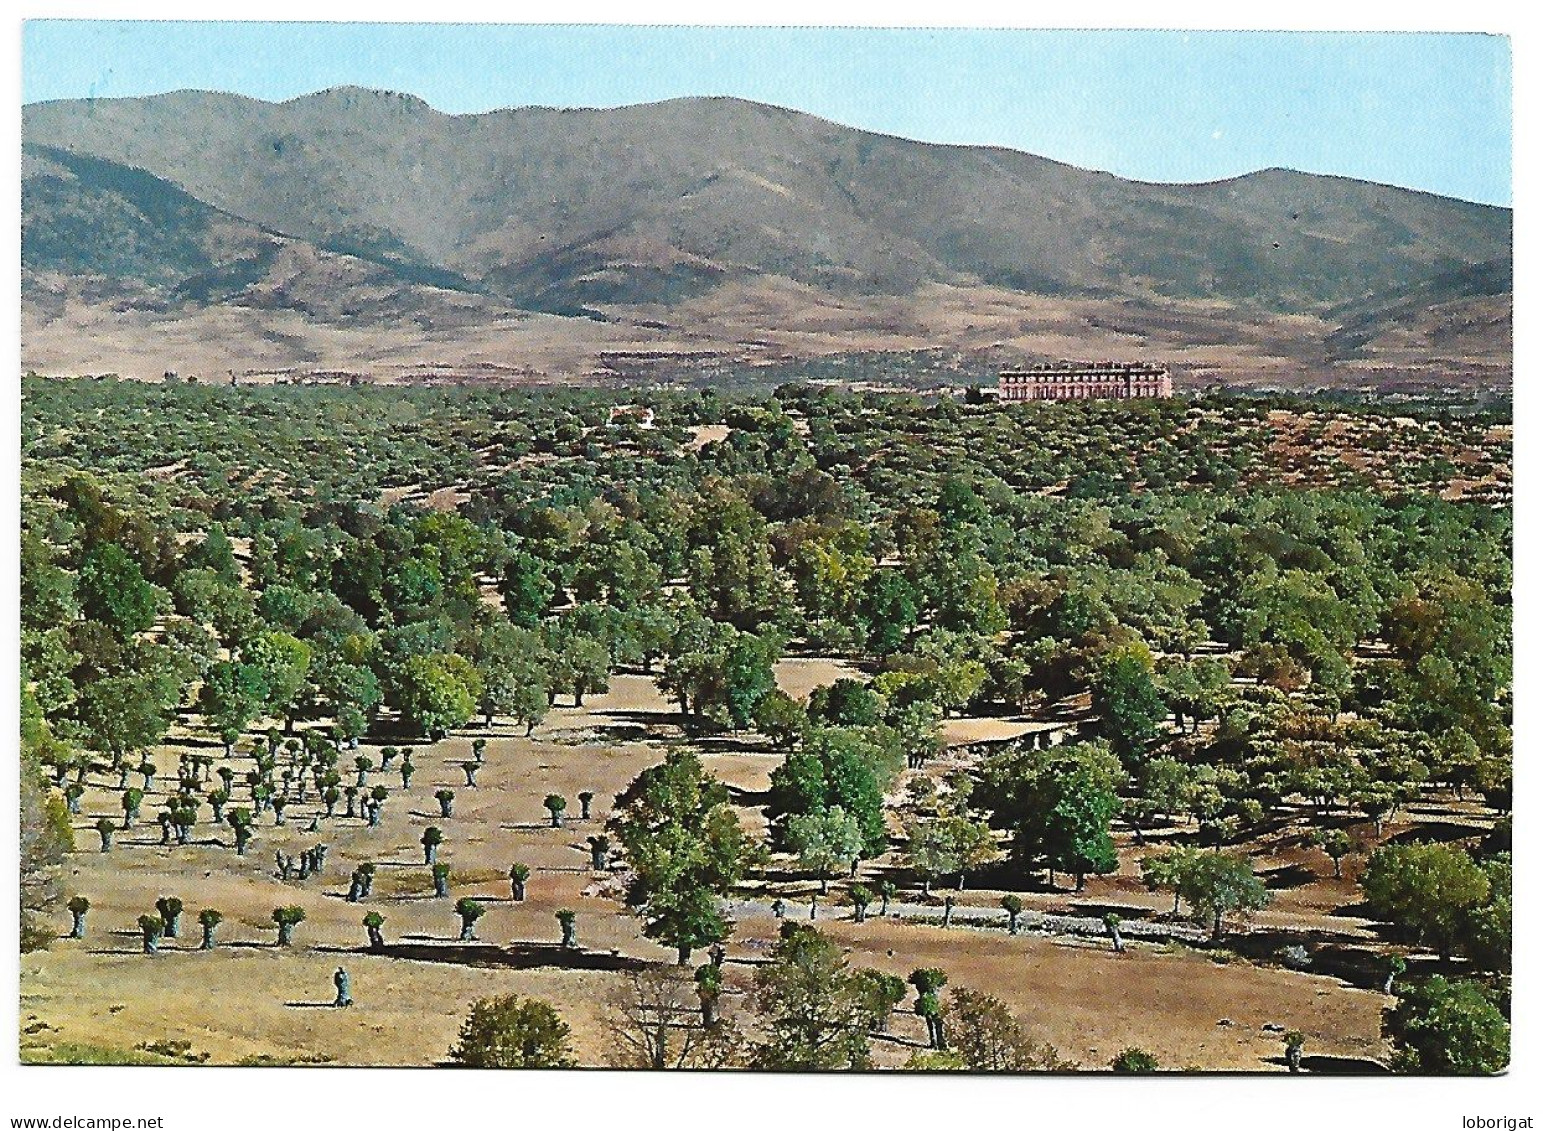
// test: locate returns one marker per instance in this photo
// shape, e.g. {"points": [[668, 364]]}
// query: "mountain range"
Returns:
{"points": [[365, 230]]}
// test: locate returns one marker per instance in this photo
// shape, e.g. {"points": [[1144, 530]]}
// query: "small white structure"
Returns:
{"points": [[640, 416]]}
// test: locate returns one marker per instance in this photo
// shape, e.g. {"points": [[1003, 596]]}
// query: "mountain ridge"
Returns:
{"points": [[596, 212]]}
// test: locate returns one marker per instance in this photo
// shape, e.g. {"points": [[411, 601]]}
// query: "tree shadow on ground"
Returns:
{"points": [[795, 876], [516, 956], [1002, 876], [889, 1038], [623, 732], [1334, 1065], [200, 741], [732, 744], [750, 798], [1439, 831], [641, 717], [1288, 876], [1358, 966], [1128, 914]]}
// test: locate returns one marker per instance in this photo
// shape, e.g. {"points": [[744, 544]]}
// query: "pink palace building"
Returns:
{"points": [[1072, 380]]}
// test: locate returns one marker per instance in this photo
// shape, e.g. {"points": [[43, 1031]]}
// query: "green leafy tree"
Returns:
{"points": [[1127, 698], [847, 702], [46, 836], [1195, 690], [1056, 805], [123, 714], [1485, 936], [1216, 884], [929, 1006], [437, 693], [1428, 889], [527, 589], [825, 842], [747, 676], [1447, 1028], [949, 845], [889, 609], [1077, 829], [588, 666], [835, 766], [860, 896], [283, 662], [881, 993], [231, 698], [348, 691], [1168, 870], [112, 589], [1336, 845], [686, 850]]}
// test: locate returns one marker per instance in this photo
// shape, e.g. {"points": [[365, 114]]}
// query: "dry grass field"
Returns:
{"points": [[742, 325], [251, 1001]]}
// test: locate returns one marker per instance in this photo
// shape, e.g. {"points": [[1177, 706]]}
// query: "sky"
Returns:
{"points": [[1424, 111]]}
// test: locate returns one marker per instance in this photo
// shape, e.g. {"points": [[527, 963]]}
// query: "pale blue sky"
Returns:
{"points": [[1423, 111]]}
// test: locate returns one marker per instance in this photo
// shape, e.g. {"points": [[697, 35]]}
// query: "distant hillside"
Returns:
{"points": [[662, 207], [1469, 301]]}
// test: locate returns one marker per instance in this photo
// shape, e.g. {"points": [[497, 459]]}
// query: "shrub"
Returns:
{"points": [[1295, 957], [511, 1032], [1134, 1060]]}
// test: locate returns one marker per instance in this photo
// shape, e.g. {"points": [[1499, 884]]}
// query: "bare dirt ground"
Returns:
{"points": [[252, 1001], [744, 324]]}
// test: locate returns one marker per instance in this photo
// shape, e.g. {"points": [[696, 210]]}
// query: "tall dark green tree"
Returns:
{"points": [[686, 850], [112, 589], [1447, 1028], [1128, 701]]}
